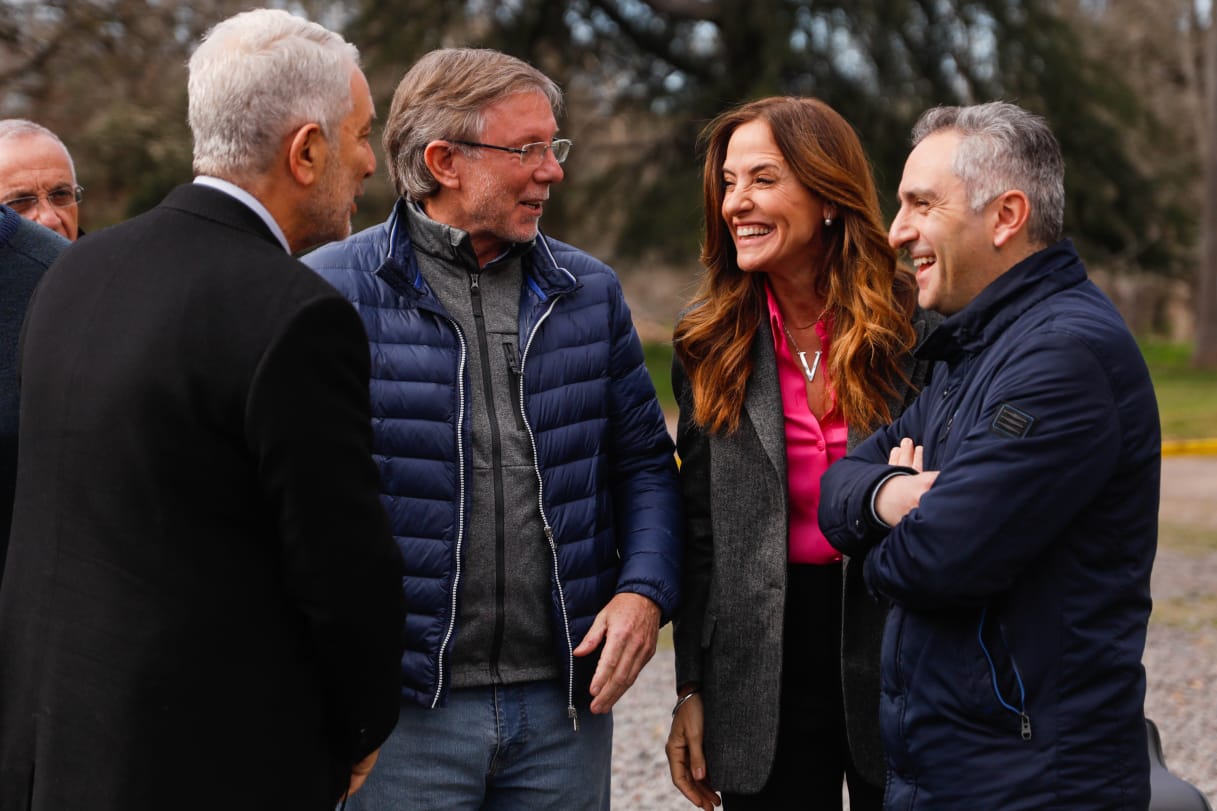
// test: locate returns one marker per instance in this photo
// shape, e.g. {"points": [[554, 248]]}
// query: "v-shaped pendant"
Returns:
{"points": [[809, 371]]}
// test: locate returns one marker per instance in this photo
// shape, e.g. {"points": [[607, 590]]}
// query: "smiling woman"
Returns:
{"points": [[796, 345]]}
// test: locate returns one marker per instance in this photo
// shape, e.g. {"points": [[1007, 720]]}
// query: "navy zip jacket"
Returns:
{"points": [[1012, 674], [609, 498]]}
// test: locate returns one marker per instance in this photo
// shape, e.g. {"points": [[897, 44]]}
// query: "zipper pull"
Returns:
{"points": [[573, 715], [1026, 725], [473, 282]]}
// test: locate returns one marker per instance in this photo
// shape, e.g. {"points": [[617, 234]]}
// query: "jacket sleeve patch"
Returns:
{"points": [[1011, 422]]}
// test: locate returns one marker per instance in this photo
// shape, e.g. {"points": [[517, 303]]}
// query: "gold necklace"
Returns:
{"points": [[808, 371]]}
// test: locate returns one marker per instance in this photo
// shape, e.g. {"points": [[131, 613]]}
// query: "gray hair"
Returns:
{"points": [[256, 77], [21, 128], [444, 97], [1004, 147]]}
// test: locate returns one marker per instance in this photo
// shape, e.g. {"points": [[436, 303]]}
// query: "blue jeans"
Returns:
{"points": [[505, 748]]}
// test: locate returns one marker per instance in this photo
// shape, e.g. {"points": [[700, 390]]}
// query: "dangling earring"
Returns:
{"points": [[828, 222]]}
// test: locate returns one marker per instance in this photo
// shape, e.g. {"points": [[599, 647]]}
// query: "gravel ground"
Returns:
{"points": [[1181, 652], [1180, 657]]}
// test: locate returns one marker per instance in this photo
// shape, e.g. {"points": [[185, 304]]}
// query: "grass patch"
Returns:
{"points": [[659, 364], [1187, 397]]}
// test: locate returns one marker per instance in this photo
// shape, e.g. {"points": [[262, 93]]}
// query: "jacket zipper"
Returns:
{"points": [[460, 514], [496, 466], [947, 394], [571, 712], [1024, 720]]}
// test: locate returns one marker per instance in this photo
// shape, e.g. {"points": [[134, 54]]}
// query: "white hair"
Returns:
{"points": [[256, 77], [21, 128]]}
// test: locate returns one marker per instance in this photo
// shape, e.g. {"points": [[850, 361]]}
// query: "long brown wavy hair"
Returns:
{"points": [[870, 296]]}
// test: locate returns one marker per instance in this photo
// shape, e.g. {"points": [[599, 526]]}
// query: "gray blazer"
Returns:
{"points": [[728, 631]]}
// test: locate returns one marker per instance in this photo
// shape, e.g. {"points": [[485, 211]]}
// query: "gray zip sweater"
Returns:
{"points": [[503, 631]]}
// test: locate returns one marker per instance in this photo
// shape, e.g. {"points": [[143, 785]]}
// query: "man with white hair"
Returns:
{"points": [[202, 602], [38, 177]]}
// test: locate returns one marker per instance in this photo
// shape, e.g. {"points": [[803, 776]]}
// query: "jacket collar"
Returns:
{"points": [[253, 203], [219, 206], [399, 267], [1004, 301]]}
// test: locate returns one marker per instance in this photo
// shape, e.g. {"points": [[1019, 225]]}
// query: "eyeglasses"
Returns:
{"points": [[530, 154], [61, 197]]}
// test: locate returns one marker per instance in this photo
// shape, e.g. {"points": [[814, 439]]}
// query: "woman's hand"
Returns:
{"points": [[685, 758]]}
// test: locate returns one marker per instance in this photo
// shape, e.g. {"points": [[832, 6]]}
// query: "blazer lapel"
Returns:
{"points": [[763, 400]]}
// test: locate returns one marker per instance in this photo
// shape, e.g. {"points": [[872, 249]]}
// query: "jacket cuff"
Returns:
{"points": [[876, 521]]}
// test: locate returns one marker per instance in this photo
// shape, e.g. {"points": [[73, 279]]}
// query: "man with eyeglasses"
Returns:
{"points": [[38, 178], [524, 459], [38, 184]]}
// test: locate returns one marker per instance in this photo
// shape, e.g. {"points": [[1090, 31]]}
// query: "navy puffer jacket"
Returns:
{"points": [[609, 498]]}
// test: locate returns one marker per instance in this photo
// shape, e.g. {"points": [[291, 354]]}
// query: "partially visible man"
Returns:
{"points": [[203, 601], [38, 177], [525, 462], [26, 251], [1010, 514]]}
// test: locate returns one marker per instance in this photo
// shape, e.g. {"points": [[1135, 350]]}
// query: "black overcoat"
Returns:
{"points": [[202, 603]]}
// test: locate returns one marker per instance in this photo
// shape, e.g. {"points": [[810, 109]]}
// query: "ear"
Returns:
{"points": [[440, 157], [306, 154], [1010, 211], [830, 211]]}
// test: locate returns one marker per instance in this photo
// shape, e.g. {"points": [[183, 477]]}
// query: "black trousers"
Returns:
{"points": [[812, 758]]}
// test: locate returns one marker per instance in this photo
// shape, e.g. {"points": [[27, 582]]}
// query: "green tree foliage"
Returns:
{"points": [[1205, 356], [662, 68], [1165, 51], [642, 78], [109, 77]]}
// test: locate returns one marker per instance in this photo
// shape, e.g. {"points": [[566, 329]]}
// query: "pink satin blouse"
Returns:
{"points": [[811, 445]]}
